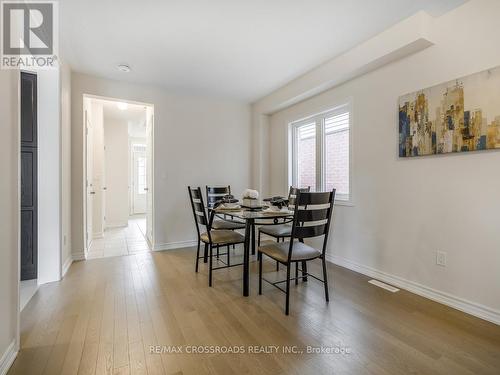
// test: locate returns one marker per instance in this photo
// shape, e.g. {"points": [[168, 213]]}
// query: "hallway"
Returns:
{"points": [[121, 241]]}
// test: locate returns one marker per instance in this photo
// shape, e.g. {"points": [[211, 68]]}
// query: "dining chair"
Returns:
{"points": [[282, 230], [215, 194], [312, 217], [211, 238]]}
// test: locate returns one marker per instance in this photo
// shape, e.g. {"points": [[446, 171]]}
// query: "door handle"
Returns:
{"points": [[146, 189], [104, 188], [92, 192]]}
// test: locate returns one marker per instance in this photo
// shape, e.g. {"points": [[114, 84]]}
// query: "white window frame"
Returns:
{"points": [[319, 120], [138, 189]]}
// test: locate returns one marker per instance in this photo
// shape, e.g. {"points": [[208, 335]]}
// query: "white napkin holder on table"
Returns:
{"points": [[251, 198]]}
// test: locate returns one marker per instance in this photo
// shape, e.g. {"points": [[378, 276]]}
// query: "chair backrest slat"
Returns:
{"points": [[312, 215], [199, 213], [198, 205], [215, 193], [310, 231], [195, 192], [315, 198]]}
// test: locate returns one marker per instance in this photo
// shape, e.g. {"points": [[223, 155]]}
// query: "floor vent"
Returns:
{"points": [[385, 286]]}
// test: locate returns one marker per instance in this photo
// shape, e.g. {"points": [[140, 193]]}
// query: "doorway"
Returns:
{"points": [[118, 176]]}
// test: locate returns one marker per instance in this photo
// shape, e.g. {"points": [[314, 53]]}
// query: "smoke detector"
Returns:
{"points": [[124, 68]]}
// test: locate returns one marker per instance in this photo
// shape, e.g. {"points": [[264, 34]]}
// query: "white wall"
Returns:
{"points": [[49, 176], [406, 209], [98, 209], [53, 94], [9, 212], [116, 164], [189, 149], [66, 166]]}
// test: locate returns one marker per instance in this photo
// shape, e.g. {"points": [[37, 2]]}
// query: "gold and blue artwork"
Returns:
{"points": [[457, 116]]}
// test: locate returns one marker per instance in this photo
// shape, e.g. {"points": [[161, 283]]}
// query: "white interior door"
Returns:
{"points": [[89, 179], [139, 180], [149, 174]]}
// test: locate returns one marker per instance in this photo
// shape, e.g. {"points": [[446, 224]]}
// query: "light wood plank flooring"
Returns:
{"points": [[107, 313]]}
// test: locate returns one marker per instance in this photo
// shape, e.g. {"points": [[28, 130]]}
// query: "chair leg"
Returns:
{"points": [[229, 246], [253, 238], [258, 239], [287, 303], [259, 255], [229, 255], [277, 263], [304, 271], [210, 267], [197, 254], [296, 273], [325, 280], [205, 254], [217, 252]]}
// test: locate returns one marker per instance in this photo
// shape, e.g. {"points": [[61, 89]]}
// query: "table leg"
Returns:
{"points": [[246, 257], [253, 238]]}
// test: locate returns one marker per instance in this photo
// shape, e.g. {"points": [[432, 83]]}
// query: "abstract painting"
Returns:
{"points": [[456, 116]]}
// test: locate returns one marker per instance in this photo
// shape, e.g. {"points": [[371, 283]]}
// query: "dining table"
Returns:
{"points": [[252, 217]]}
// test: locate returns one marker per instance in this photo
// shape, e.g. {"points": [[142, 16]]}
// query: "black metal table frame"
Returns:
{"points": [[250, 238]]}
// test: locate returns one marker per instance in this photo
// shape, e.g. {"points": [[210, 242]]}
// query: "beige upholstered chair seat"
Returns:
{"points": [[223, 237], [279, 251]]}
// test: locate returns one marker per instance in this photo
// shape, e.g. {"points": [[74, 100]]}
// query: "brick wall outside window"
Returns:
{"points": [[306, 159], [337, 162]]}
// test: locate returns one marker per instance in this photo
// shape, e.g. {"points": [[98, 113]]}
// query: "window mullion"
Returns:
{"points": [[319, 153], [294, 156]]}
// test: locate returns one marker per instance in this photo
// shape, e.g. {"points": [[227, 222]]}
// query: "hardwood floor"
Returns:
{"points": [[107, 313]]}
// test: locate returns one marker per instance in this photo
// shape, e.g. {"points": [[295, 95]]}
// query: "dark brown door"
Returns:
{"points": [[29, 151]]}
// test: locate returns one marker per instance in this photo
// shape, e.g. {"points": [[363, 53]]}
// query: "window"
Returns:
{"points": [[321, 152], [141, 175], [139, 151]]}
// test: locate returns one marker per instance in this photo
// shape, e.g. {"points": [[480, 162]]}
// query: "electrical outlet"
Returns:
{"points": [[441, 258]]}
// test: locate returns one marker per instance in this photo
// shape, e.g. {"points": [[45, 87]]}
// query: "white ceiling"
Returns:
{"points": [[242, 49]]}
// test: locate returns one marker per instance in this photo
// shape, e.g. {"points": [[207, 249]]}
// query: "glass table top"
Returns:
{"points": [[245, 214]]}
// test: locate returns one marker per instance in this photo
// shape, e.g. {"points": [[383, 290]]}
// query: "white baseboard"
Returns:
{"points": [[116, 224], [67, 264], [79, 255], [8, 358], [458, 303], [174, 245]]}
